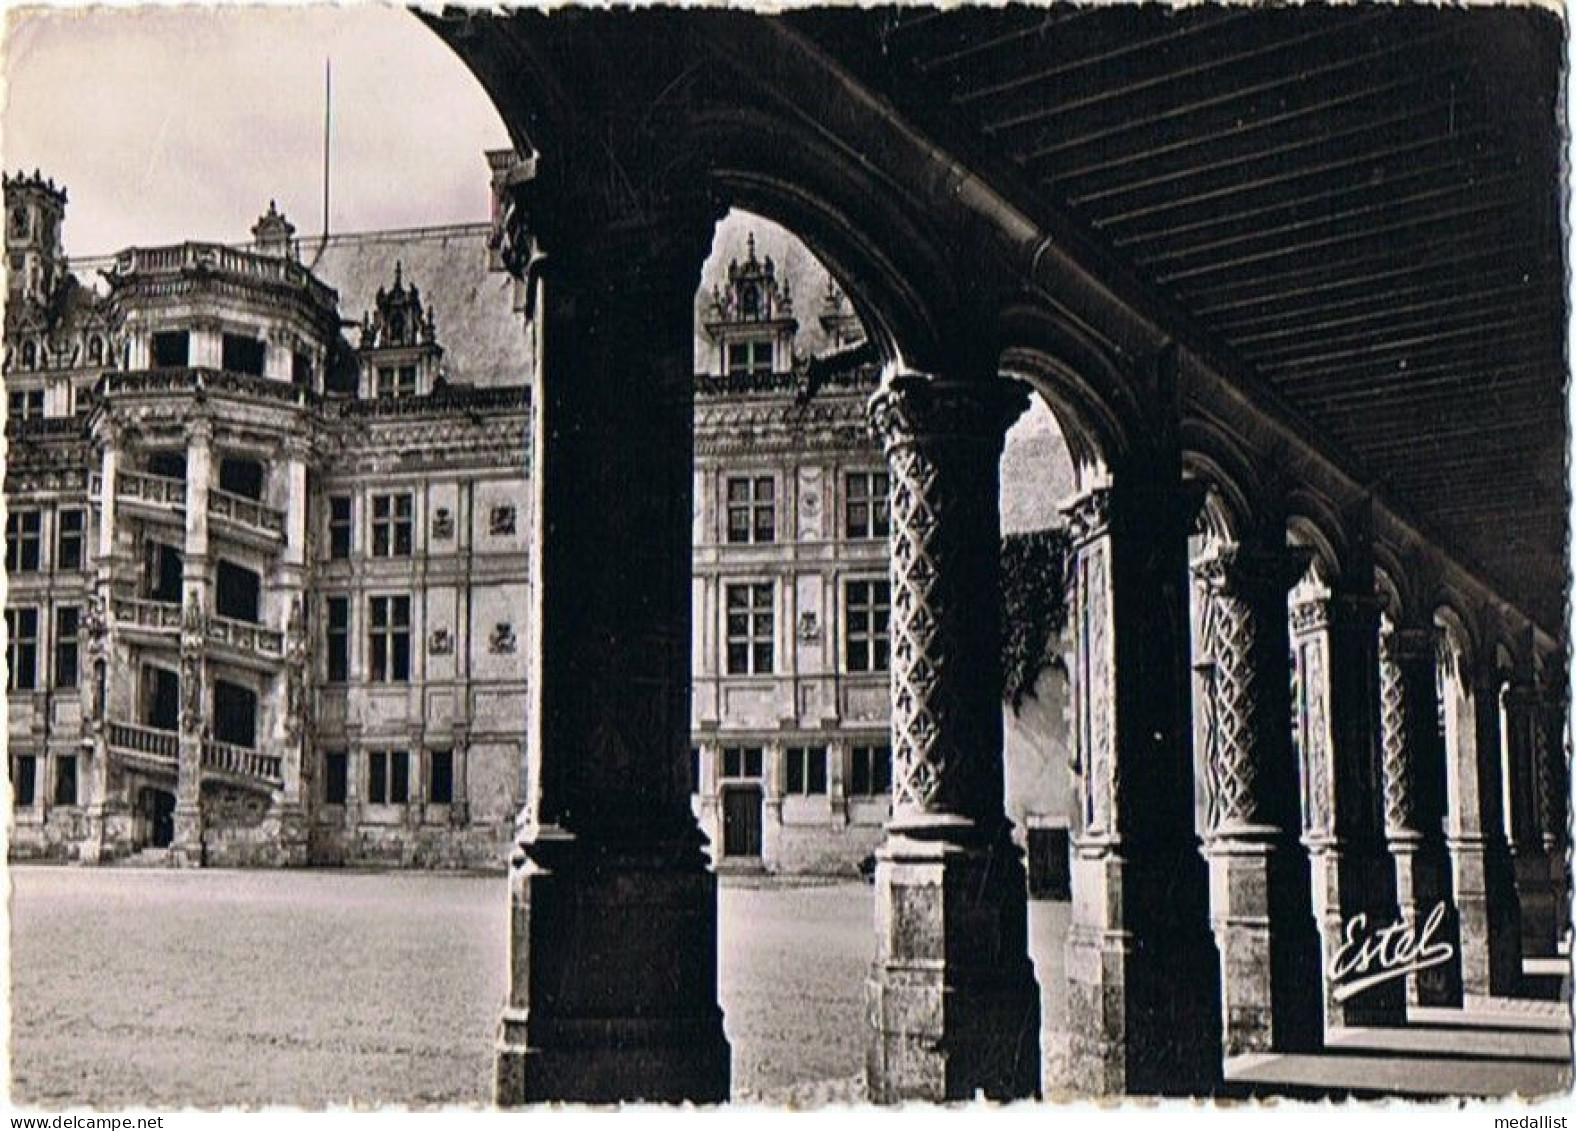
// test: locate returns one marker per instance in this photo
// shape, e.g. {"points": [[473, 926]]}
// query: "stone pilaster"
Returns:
{"points": [[953, 1004], [290, 694], [1259, 895], [1335, 641], [1143, 1004], [1554, 797], [1481, 868], [613, 924], [1525, 740], [1414, 783], [197, 606]]}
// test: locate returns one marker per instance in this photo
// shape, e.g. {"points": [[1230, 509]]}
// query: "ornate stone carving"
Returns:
{"points": [[296, 663], [809, 627], [502, 639], [440, 643], [1406, 658], [442, 524], [1244, 595], [942, 442], [194, 634], [501, 521]]}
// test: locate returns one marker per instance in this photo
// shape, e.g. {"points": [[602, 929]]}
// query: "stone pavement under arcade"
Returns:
{"points": [[1291, 589]]}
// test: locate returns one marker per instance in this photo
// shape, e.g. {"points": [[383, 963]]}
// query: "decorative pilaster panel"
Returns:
{"points": [[613, 964], [1414, 807], [1143, 1007], [1259, 895], [1335, 643], [952, 1001]]}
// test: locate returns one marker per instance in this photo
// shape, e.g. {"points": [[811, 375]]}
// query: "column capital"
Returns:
{"points": [[1408, 645], [1334, 610], [912, 409], [1234, 569]]}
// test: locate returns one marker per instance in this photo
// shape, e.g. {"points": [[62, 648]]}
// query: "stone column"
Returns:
{"points": [[1524, 740], [100, 844], [289, 584], [1554, 798], [613, 927], [196, 600], [1481, 868], [1335, 641], [952, 999], [1143, 976], [1259, 894], [1413, 767]]}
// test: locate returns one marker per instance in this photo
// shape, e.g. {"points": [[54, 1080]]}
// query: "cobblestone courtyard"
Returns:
{"points": [[308, 988]]}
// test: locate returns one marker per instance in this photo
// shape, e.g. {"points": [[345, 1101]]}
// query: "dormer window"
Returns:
{"points": [[95, 350], [19, 223], [395, 381], [29, 355], [749, 358], [749, 301]]}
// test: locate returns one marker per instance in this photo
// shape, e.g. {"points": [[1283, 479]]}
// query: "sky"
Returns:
{"points": [[182, 123]]}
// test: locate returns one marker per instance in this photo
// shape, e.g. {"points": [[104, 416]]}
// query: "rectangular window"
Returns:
{"points": [[870, 771], [24, 780], [241, 354], [393, 526], [388, 777], [171, 349], [337, 639], [388, 637], [69, 539], [339, 524], [749, 357], [741, 761], [694, 769], [66, 779], [377, 777], [21, 649], [336, 777], [867, 606], [395, 382], [68, 623], [26, 403], [750, 629], [23, 537], [301, 369], [805, 770], [440, 777], [752, 509], [866, 507]]}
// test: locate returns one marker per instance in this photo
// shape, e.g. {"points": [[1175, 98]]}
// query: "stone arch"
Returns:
{"points": [[1237, 504], [1081, 380]]}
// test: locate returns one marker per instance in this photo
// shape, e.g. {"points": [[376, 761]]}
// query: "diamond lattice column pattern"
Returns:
{"points": [[1260, 902], [1414, 807], [613, 927], [1143, 977], [1335, 643], [1554, 795], [953, 1003]]}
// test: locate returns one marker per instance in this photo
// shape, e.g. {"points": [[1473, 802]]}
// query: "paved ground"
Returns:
{"points": [[210, 988]]}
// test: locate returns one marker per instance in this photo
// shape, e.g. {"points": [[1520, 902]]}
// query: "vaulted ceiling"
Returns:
{"points": [[1359, 207]]}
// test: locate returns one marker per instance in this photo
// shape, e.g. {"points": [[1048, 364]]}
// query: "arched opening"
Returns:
{"points": [[155, 817]]}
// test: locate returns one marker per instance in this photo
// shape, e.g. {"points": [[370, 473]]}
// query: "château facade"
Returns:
{"points": [[266, 578], [269, 567]]}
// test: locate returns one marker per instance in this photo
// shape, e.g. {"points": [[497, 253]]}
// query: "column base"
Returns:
{"points": [[109, 834], [1269, 948], [1143, 977], [1535, 889], [1422, 874], [1353, 900], [613, 965], [1488, 919], [186, 849], [953, 1006], [294, 834]]}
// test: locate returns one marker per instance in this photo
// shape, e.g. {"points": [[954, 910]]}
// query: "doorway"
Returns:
{"points": [[157, 808], [161, 698], [741, 821]]}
